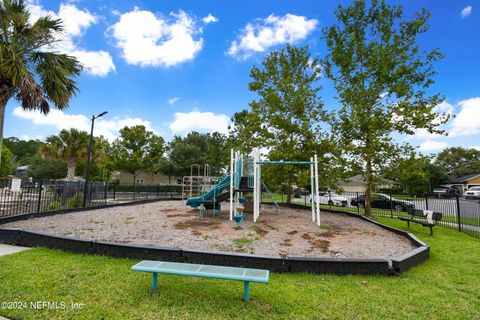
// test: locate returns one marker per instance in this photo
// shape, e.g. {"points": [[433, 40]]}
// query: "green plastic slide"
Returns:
{"points": [[216, 191]]}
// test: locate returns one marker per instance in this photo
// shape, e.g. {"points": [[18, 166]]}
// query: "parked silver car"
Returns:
{"points": [[473, 193]]}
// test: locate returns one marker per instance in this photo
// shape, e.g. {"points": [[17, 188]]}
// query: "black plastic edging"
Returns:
{"points": [[133, 251]]}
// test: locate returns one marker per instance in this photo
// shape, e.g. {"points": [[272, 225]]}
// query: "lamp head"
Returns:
{"points": [[102, 114]]}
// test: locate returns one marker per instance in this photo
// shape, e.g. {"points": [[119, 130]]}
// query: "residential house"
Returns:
{"points": [[357, 184], [465, 182], [142, 178]]}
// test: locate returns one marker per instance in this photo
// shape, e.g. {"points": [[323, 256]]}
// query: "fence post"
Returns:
{"points": [[391, 204], [458, 213], [158, 190], [426, 202], [329, 200], [106, 192], [358, 205], [114, 190], [90, 193], [39, 204]]}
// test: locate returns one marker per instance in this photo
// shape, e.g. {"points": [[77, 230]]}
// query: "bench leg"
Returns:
{"points": [[246, 291], [431, 230], [154, 281], [408, 223]]}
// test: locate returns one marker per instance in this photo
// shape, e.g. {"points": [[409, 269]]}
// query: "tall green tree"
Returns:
{"points": [[101, 163], [30, 72], [459, 161], [218, 154], [416, 175], [243, 131], [381, 76], [44, 168], [22, 150], [288, 110], [196, 148], [6, 166], [136, 150], [70, 146]]}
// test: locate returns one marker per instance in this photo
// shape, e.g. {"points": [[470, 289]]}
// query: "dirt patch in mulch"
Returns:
{"points": [[307, 236], [179, 215], [197, 223], [291, 233], [286, 243], [261, 232], [323, 245]]}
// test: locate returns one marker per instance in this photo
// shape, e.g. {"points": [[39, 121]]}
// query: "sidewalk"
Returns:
{"points": [[8, 249]]}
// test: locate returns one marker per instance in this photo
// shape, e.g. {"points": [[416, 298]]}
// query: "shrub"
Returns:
{"points": [[76, 201], [54, 205]]}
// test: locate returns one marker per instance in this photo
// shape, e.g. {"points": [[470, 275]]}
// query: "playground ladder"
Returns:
{"points": [[271, 196]]}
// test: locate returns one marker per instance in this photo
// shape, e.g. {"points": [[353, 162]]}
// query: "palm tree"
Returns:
{"points": [[30, 71], [68, 145]]}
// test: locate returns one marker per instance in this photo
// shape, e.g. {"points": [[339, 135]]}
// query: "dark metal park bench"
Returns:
{"points": [[418, 216]]}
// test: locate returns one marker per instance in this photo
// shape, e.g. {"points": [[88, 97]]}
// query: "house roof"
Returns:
{"points": [[465, 179]]}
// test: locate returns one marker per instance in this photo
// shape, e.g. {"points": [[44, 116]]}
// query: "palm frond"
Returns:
{"points": [[57, 72], [33, 76], [12, 64]]}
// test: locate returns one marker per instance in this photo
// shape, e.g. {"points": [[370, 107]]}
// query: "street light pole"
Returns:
{"points": [[89, 157]]}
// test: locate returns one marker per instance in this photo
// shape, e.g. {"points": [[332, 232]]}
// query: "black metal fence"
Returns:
{"points": [[43, 196], [457, 211]]}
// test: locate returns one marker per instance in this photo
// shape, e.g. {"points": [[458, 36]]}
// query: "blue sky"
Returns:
{"points": [[177, 66]]}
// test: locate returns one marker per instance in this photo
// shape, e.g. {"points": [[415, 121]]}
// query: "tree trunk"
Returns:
{"points": [[289, 191], [368, 188], [71, 166], [5, 94]]}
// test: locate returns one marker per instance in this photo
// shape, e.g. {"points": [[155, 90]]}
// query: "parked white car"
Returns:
{"points": [[331, 198], [473, 193]]}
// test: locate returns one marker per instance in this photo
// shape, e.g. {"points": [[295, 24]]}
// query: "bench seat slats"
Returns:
{"points": [[205, 271]]}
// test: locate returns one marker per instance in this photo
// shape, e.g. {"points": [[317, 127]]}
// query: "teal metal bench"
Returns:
{"points": [[205, 271]]}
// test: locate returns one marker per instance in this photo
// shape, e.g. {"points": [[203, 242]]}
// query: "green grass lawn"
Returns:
{"points": [[447, 286]]}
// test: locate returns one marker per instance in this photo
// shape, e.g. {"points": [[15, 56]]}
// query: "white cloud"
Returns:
{"points": [[466, 11], [444, 107], [60, 120], [210, 19], [432, 145], [203, 121], [271, 31], [97, 63], [173, 100], [442, 110], [475, 147], [467, 121], [148, 40], [75, 23]]}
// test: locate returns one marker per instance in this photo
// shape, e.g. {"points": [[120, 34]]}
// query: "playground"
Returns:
{"points": [[172, 224], [228, 216]]}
